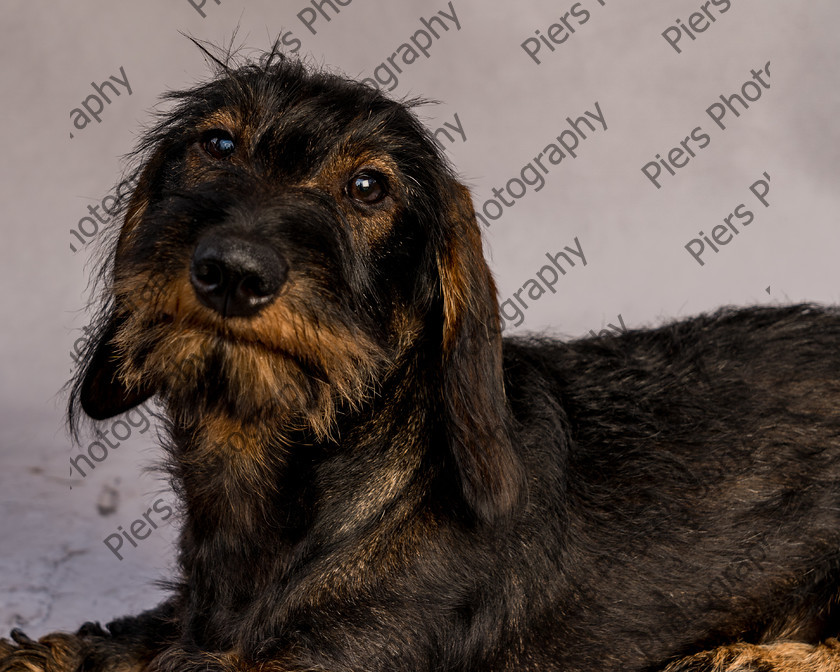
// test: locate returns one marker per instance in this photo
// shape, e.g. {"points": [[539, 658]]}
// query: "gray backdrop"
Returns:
{"points": [[513, 109]]}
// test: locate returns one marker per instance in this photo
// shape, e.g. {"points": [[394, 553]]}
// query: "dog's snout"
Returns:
{"points": [[236, 277]]}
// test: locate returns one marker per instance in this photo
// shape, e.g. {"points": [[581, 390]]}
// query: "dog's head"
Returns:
{"points": [[293, 239]]}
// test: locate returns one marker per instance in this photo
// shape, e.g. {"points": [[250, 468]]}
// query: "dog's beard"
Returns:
{"points": [[298, 380]]}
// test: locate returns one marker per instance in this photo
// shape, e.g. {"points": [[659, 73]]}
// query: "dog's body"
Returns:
{"points": [[372, 481]]}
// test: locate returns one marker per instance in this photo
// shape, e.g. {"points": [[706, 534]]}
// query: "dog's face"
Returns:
{"points": [[292, 238]]}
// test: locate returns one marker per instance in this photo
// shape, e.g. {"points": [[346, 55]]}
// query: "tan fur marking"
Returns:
{"points": [[779, 657], [343, 164], [55, 652], [229, 119], [221, 434], [265, 355], [460, 266]]}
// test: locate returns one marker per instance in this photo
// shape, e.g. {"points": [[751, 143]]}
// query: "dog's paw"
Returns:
{"points": [[56, 652]]}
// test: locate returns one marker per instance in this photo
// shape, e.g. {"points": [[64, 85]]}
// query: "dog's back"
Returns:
{"points": [[698, 474]]}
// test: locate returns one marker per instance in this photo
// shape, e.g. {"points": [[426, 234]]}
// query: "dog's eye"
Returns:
{"points": [[367, 187], [218, 144]]}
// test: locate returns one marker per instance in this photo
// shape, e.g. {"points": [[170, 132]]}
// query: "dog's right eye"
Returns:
{"points": [[218, 144]]}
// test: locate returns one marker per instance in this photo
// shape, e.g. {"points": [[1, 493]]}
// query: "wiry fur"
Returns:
{"points": [[373, 480]]}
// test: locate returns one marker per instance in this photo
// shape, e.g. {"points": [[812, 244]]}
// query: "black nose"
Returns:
{"points": [[235, 276]]}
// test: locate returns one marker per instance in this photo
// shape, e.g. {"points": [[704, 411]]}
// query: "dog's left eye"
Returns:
{"points": [[367, 187], [218, 144]]}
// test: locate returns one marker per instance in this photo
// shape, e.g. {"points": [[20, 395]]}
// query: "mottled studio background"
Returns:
{"points": [[58, 161]]}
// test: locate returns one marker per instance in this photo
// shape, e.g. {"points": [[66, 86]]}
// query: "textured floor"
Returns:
{"points": [[55, 570]]}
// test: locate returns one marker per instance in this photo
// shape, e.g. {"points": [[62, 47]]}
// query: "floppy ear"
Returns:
{"points": [[99, 390], [492, 476]]}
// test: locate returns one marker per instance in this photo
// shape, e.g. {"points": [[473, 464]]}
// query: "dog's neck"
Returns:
{"points": [[252, 503]]}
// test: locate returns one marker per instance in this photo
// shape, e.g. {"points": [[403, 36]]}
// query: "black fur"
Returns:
{"points": [[467, 504]]}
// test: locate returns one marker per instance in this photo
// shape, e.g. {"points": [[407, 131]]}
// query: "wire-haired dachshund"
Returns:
{"points": [[373, 480]]}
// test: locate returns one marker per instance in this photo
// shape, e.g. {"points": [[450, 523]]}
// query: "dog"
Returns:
{"points": [[372, 479]]}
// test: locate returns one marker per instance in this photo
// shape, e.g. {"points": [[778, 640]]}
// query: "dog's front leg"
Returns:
{"points": [[777, 657], [125, 645]]}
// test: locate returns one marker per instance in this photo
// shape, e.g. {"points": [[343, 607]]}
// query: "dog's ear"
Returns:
{"points": [[98, 390], [492, 476]]}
